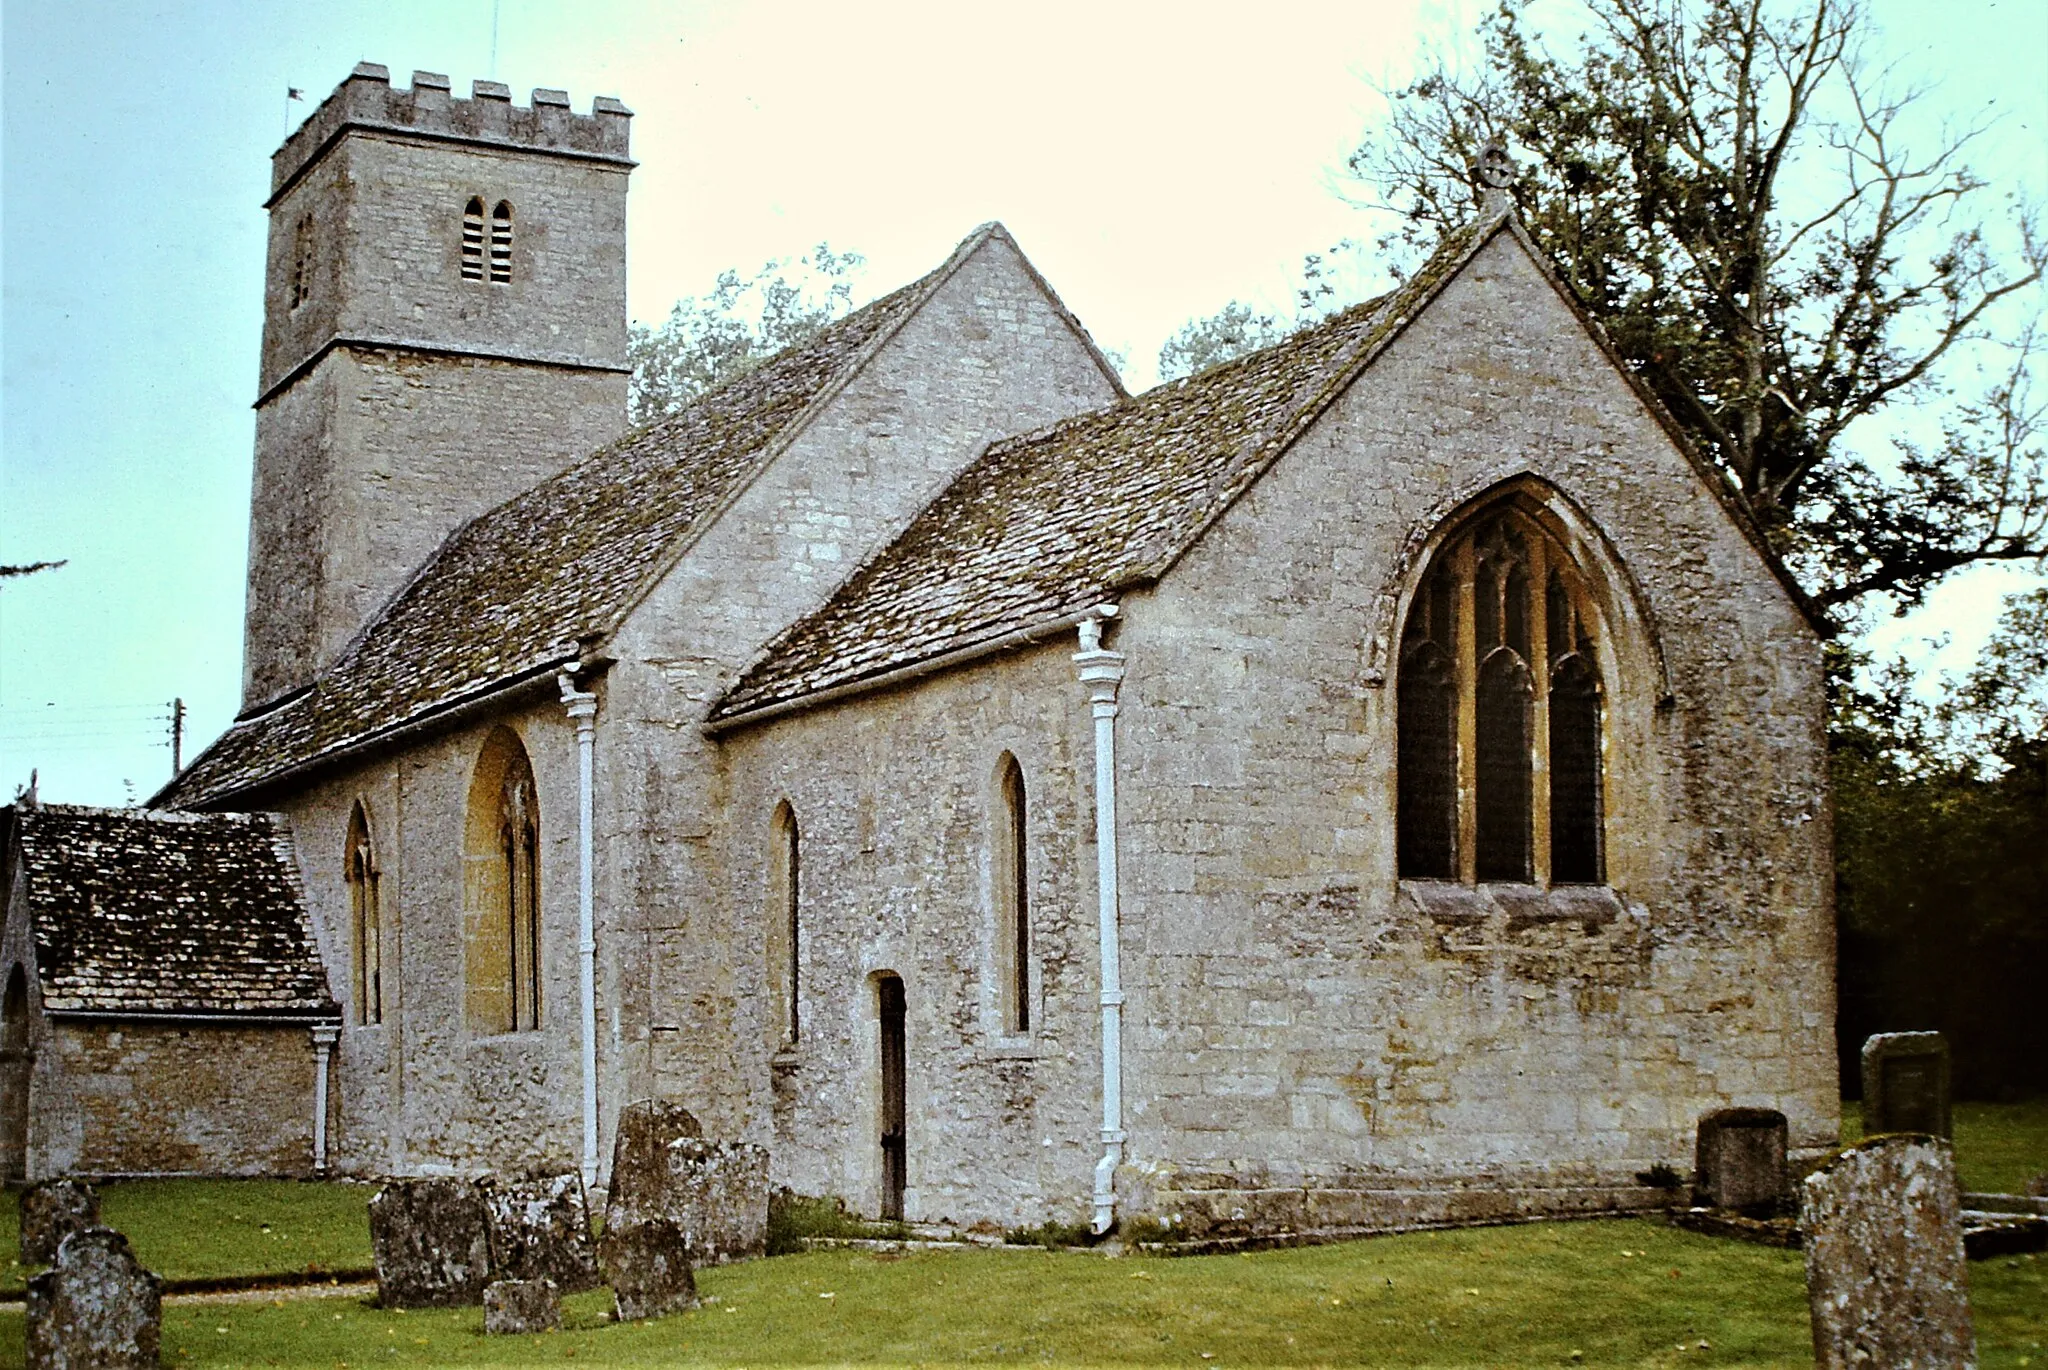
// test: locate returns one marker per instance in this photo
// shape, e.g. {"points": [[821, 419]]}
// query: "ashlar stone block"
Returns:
{"points": [[430, 1240], [98, 1309], [1885, 1273], [1906, 1083], [540, 1229], [52, 1211], [1739, 1161]]}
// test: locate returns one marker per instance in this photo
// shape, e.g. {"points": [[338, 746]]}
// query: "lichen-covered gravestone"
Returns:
{"points": [[647, 1264], [98, 1309], [430, 1242], [52, 1211], [715, 1193], [540, 1229], [515, 1306], [1906, 1084], [1739, 1160], [1885, 1273]]}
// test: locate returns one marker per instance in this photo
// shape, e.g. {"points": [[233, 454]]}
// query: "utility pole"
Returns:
{"points": [[177, 737]]}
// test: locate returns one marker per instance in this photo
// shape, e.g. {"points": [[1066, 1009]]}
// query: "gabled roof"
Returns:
{"points": [[152, 913], [511, 594], [1045, 525]]}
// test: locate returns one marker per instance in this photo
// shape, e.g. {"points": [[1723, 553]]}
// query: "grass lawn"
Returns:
{"points": [[215, 1229], [1628, 1292], [1999, 1147]]}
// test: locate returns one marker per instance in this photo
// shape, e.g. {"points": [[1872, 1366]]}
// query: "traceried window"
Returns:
{"points": [[366, 925], [1012, 889], [501, 858], [473, 239], [501, 242], [785, 893], [1499, 713]]}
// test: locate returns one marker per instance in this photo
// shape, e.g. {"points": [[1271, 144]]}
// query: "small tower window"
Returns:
{"points": [[501, 242], [302, 262], [473, 240]]}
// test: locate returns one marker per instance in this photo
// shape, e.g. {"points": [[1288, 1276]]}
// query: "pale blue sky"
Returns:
{"points": [[1155, 160]]}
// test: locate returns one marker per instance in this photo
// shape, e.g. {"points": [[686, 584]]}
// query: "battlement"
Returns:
{"points": [[366, 100]]}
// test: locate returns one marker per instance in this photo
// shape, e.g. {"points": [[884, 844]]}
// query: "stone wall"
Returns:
{"points": [[1305, 1034], [129, 1098]]}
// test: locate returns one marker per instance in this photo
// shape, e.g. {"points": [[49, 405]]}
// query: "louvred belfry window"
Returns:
{"points": [[501, 243], [473, 239], [1499, 713]]}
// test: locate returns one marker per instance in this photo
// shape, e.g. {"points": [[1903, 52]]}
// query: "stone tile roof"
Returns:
{"points": [[145, 912], [1050, 523], [512, 593]]}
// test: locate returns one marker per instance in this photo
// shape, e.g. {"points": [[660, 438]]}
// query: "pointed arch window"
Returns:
{"points": [[785, 896], [1012, 888], [366, 923], [1499, 713], [501, 242], [473, 239], [502, 889]]}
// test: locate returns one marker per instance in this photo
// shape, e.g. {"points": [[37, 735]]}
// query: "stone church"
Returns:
{"points": [[1374, 782]]}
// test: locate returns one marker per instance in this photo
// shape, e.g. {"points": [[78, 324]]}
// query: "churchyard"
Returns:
{"points": [[1608, 1292]]}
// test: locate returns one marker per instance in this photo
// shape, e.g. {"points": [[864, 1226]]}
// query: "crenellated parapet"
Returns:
{"points": [[368, 101]]}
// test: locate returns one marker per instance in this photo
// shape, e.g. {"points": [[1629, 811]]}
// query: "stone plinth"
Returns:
{"points": [[98, 1309], [1739, 1161], [1885, 1273], [540, 1229], [514, 1306], [52, 1211], [1906, 1084], [431, 1244]]}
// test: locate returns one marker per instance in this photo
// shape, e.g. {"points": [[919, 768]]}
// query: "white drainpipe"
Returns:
{"points": [[1102, 672], [324, 1037], [582, 709]]}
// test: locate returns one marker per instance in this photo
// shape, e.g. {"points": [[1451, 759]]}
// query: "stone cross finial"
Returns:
{"points": [[1495, 171]]}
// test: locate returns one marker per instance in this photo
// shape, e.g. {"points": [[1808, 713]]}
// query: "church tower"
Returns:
{"points": [[444, 325]]}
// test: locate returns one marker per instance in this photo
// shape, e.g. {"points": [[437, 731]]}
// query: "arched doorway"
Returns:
{"points": [[14, 1072], [895, 1152]]}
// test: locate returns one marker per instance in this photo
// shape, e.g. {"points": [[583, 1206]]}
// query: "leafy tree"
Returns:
{"points": [[1224, 336], [1730, 188], [708, 340], [9, 572]]}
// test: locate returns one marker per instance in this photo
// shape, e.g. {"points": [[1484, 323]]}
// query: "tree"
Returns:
{"points": [[1730, 188], [1224, 336], [9, 572], [708, 340]]}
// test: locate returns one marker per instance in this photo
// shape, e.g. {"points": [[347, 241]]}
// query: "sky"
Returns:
{"points": [[1154, 160]]}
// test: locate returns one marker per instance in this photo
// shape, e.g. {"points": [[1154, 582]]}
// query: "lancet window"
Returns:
{"points": [[502, 861], [366, 922], [473, 239], [785, 895], [1012, 890]]}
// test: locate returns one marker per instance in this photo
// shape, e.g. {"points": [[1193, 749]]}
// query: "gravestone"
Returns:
{"points": [[540, 1229], [647, 1264], [515, 1306], [1885, 1273], [1739, 1161], [431, 1244], [97, 1308], [52, 1211], [1906, 1083], [715, 1193]]}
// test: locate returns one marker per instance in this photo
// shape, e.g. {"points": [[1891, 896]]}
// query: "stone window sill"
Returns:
{"points": [[1005, 1047], [1453, 905]]}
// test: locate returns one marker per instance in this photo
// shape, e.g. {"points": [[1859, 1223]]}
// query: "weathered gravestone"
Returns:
{"points": [[1905, 1083], [1739, 1161], [52, 1211], [1885, 1274], [431, 1244], [514, 1306], [98, 1309], [540, 1229], [647, 1264], [715, 1193]]}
